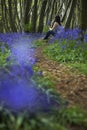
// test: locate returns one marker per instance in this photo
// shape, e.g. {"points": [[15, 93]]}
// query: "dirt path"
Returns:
{"points": [[70, 84]]}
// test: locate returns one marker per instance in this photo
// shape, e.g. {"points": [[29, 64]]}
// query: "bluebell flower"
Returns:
{"points": [[2, 48], [85, 38], [40, 73], [8, 58]]}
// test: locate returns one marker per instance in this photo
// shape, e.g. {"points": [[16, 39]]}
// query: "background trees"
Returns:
{"points": [[32, 15], [83, 9]]}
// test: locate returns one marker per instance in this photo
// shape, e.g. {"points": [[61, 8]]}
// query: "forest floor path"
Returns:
{"points": [[71, 84]]}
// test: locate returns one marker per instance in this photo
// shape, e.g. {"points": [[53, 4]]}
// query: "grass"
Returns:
{"points": [[81, 67], [42, 80], [58, 120], [39, 43], [45, 82], [69, 53], [73, 54], [4, 55]]}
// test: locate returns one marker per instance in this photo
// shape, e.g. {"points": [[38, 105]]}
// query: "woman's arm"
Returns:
{"points": [[54, 26]]}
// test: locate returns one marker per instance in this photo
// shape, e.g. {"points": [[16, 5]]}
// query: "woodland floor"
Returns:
{"points": [[71, 84]]}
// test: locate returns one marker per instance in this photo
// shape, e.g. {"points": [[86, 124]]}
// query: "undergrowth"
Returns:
{"points": [[64, 52], [58, 120], [38, 43], [64, 117], [4, 55], [69, 52]]}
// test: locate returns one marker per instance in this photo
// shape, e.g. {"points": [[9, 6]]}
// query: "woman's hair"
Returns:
{"points": [[57, 19]]}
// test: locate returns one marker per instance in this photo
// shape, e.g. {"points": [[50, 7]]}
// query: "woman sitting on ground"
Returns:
{"points": [[54, 28]]}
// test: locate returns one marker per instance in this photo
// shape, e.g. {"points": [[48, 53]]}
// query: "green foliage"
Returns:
{"points": [[82, 67], [28, 28], [73, 115], [45, 29], [58, 120], [69, 52], [46, 83], [38, 43], [4, 55], [40, 78]]}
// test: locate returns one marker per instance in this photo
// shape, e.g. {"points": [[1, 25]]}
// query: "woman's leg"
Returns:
{"points": [[50, 32]]}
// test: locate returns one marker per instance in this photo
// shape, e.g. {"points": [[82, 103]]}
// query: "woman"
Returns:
{"points": [[53, 29]]}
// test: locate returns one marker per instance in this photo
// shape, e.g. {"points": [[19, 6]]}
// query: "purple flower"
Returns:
{"points": [[40, 73], [8, 59], [3, 48]]}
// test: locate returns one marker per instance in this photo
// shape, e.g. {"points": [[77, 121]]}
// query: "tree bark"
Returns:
{"points": [[27, 11], [67, 25], [83, 20], [68, 5], [41, 18], [11, 20], [34, 16]]}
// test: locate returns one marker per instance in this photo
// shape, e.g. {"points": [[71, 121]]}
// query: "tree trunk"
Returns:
{"points": [[41, 18], [68, 5], [11, 21], [19, 28], [67, 25], [34, 16], [47, 12], [27, 11], [83, 20], [52, 10], [5, 21]]}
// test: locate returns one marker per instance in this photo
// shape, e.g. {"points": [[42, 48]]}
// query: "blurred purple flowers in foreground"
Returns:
{"points": [[20, 94], [17, 90]]}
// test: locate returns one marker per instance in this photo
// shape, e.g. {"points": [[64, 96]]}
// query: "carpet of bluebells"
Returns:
{"points": [[69, 34], [69, 46], [17, 89], [19, 92]]}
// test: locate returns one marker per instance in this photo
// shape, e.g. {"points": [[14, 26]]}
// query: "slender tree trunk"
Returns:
{"points": [[52, 10], [68, 5], [18, 21], [41, 18], [60, 8], [48, 11], [34, 16], [27, 11], [83, 20], [5, 16], [1, 15], [11, 21], [67, 25]]}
